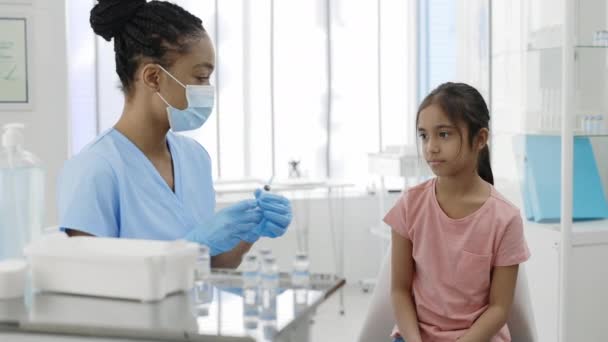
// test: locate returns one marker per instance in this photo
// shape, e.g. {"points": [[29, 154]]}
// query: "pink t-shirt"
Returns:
{"points": [[454, 258]]}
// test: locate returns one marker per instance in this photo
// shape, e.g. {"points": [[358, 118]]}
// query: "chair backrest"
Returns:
{"points": [[521, 318], [379, 320]]}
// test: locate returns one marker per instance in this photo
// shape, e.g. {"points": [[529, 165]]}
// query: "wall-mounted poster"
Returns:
{"points": [[14, 88]]}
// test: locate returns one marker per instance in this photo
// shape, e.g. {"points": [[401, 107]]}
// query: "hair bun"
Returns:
{"points": [[109, 17]]}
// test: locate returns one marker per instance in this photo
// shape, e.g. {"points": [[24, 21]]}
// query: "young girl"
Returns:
{"points": [[457, 242]]}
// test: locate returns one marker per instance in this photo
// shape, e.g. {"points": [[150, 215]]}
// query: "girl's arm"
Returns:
{"points": [[501, 298], [402, 272]]}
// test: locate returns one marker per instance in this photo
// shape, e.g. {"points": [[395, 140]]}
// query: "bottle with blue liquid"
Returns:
{"points": [[300, 281], [263, 253], [203, 290], [270, 288], [21, 193], [251, 271]]}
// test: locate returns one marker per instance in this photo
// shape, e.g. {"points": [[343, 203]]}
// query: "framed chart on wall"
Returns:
{"points": [[15, 90]]}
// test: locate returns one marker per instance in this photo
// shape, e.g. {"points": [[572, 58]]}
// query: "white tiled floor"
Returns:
{"points": [[330, 326]]}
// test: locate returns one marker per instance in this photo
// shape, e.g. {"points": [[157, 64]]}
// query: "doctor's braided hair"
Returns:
{"points": [[144, 31], [462, 103]]}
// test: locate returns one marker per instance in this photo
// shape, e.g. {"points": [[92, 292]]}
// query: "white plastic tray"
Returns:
{"points": [[118, 268]]}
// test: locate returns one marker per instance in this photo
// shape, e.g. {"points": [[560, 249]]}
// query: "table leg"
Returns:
{"points": [[336, 213], [300, 332]]}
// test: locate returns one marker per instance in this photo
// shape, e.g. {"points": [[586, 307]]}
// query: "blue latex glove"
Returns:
{"points": [[277, 214], [223, 231]]}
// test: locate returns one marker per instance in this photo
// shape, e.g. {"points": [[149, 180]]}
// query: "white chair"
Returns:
{"points": [[379, 320]]}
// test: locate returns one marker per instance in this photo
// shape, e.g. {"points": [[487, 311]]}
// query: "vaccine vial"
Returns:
{"points": [[587, 124], [300, 281], [202, 293], [203, 264], [270, 288], [597, 128], [593, 124], [251, 270], [263, 254], [300, 276]]}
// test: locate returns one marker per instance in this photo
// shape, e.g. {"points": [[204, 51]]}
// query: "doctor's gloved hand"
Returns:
{"points": [[277, 214], [223, 231]]}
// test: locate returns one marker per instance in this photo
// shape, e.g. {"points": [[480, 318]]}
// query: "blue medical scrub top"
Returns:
{"points": [[112, 189]]}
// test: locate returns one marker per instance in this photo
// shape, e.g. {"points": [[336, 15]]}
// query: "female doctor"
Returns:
{"points": [[140, 179]]}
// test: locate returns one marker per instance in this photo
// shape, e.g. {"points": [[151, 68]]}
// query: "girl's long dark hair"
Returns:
{"points": [[463, 103]]}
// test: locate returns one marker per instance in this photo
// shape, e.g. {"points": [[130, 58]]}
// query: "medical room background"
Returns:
{"points": [[318, 100]]}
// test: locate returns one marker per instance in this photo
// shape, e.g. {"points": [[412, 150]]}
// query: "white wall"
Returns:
{"points": [[47, 133]]}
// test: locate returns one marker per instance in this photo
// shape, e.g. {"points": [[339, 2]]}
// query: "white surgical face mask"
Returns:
{"points": [[200, 104]]}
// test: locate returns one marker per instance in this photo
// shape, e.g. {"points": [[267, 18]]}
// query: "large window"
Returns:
{"points": [[81, 75], [454, 44]]}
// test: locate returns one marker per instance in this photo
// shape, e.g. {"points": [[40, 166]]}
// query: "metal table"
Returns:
{"points": [[178, 317]]}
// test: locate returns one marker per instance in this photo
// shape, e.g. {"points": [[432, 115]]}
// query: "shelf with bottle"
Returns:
{"points": [[577, 133], [587, 125], [532, 48], [550, 38], [547, 118], [547, 123], [552, 132]]}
